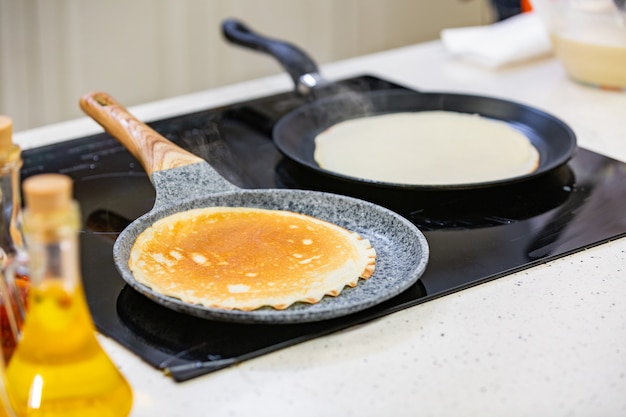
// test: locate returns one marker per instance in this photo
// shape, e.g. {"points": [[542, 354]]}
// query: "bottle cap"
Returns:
{"points": [[47, 192], [6, 132]]}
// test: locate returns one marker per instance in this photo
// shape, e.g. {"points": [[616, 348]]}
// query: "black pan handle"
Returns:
{"points": [[302, 69]]}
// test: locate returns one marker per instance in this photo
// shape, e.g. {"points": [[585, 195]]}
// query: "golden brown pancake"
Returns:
{"points": [[426, 148], [247, 258]]}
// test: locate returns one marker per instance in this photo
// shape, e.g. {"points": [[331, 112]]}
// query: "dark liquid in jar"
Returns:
{"points": [[8, 339]]}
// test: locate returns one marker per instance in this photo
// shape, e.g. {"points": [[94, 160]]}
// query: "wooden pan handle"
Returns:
{"points": [[153, 151]]}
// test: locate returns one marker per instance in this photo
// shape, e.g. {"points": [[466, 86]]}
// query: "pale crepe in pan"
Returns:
{"points": [[426, 148], [246, 258]]}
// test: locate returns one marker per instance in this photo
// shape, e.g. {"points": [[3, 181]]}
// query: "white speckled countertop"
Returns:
{"points": [[548, 341]]}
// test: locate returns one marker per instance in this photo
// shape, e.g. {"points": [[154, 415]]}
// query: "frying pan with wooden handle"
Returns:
{"points": [[184, 181]]}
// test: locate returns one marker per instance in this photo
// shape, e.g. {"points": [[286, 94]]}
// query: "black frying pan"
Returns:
{"points": [[184, 181], [294, 134]]}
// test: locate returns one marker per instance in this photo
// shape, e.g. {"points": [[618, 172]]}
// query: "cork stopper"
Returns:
{"points": [[6, 132], [45, 193]]}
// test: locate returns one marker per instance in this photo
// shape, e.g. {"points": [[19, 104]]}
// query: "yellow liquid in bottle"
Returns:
{"points": [[59, 368], [3, 411]]}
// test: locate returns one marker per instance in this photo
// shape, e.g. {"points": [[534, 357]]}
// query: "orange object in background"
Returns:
{"points": [[526, 5]]}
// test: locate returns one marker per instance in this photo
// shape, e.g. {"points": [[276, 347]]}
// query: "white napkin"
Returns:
{"points": [[513, 40]]}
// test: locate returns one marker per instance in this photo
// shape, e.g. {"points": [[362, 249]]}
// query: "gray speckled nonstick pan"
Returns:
{"points": [[184, 181]]}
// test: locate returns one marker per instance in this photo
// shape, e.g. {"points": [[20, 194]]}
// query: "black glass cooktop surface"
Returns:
{"points": [[474, 235]]}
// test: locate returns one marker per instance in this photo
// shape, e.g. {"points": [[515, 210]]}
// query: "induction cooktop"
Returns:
{"points": [[474, 235]]}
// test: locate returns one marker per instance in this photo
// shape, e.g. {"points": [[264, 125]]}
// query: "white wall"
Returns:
{"points": [[53, 51]]}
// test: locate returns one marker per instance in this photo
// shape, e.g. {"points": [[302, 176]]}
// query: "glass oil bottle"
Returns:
{"points": [[59, 368], [13, 258]]}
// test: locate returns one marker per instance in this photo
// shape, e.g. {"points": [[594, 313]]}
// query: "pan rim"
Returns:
{"points": [[328, 307], [543, 168]]}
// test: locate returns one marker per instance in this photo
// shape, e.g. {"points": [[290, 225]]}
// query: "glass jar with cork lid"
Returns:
{"points": [[59, 368]]}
